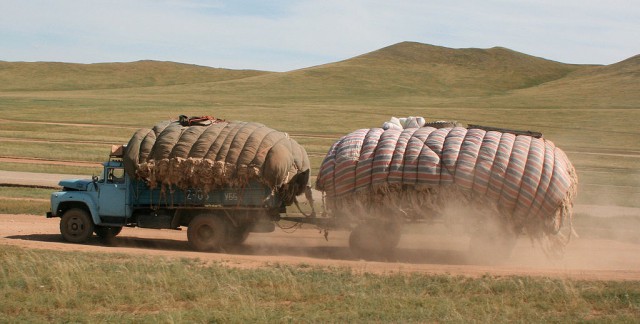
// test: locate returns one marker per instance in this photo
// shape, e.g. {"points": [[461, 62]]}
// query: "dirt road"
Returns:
{"points": [[427, 249], [432, 251]]}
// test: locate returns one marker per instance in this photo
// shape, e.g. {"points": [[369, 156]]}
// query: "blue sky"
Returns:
{"points": [[286, 35]]}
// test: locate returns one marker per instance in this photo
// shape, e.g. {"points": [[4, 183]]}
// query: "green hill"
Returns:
{"points": [[461, 72], [412, 69], [612, 86], [26, 76], [403, 70]]}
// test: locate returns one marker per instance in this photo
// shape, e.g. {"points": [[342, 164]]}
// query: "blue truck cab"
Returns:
{"points": [[105, 204], [105, 198]]}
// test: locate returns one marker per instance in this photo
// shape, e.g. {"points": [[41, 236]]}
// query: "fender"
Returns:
{"points": [[88, 199]]}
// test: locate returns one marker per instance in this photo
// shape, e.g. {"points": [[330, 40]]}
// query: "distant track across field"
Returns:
{"points": [[15, 159], [295, 134], [2, 120], [611, 153], [26, 160], [336, 136], [25, 199], [328, 136], [37, 140]]}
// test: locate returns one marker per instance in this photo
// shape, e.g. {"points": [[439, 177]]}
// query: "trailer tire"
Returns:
{"points": [[207, 232], [107, 233], [76, 225]]}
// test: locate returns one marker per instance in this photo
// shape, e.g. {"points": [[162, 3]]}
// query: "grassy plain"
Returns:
{"points": [[51, 286], [74, 113], [32, 201]]}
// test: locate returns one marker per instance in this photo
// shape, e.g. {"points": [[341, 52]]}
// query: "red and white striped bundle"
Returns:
{"points": [[526, 178]]}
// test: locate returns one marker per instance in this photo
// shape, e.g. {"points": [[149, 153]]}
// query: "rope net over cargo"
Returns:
{"points": [[525, 179], [209, 153]]}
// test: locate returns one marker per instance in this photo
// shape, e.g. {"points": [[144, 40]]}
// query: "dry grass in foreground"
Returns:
{"points": [[48, 286]]}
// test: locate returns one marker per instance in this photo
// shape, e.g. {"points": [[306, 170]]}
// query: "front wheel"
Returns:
{"points": [[207, 232], [76, 225]]}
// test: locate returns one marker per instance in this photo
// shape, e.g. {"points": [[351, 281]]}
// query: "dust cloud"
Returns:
{"points": [[426, 248], [601, 244]]}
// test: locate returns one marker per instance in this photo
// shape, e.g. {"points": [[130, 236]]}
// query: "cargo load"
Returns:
{"points": [[208, 153], [524, 179]]}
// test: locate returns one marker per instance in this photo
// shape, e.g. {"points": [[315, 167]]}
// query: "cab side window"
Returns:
{"points": [[115, 175]]}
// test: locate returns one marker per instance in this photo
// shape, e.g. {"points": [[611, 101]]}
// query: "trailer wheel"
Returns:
{"points": [[107, 233], [207, 232], [373, 240], [76, 225]]}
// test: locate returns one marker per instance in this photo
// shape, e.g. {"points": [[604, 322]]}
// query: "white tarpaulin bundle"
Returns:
{"points": [[209, 153], [526, 179]]}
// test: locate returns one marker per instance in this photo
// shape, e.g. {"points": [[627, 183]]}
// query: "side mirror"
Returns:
{"points": [[95, 182]]}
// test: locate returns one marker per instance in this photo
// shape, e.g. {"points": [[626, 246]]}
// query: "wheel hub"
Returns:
{"points": [[76, 226], [205, 232]]}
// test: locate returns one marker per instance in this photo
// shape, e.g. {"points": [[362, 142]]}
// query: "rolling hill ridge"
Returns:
{"points": [[403, 70], [611, 86], [22, 76], [418, 69]]}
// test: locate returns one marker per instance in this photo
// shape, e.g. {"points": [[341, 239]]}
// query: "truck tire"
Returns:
{"points": [[76, 225], [373, 240], [207, 232], [107, 233], [237, 235]]}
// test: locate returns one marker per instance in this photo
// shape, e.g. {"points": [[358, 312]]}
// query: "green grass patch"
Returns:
{"points": [[19, 192], [55, 151], [113, 134], [24, 206], [44, 286], [51, 168]]}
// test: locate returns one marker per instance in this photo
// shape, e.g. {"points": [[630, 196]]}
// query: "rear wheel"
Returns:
{"points": [[207, 232], [76, 225], [237, 235], [371, 240]]}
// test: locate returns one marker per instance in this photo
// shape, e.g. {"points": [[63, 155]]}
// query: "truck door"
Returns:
{"points": [[113, 193]]}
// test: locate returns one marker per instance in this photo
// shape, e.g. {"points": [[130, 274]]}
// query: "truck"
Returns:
{"points": [[106, 203], [224, 180]]}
